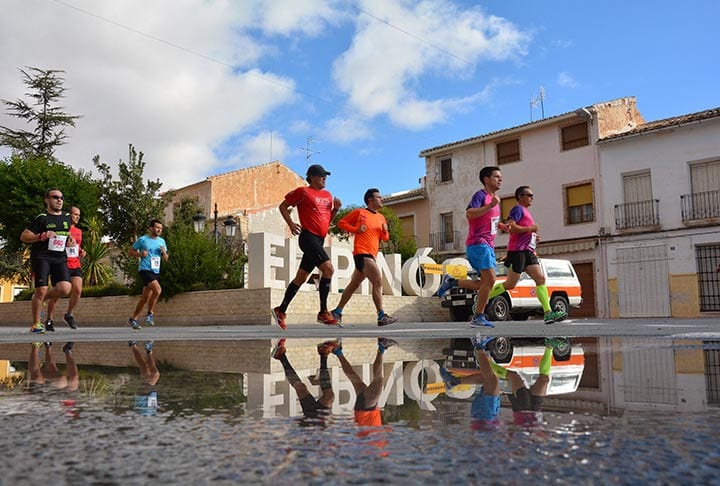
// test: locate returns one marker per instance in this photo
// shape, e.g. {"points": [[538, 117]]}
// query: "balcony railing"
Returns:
{"points": [[450, 241], [640, 214], [700, 205]]}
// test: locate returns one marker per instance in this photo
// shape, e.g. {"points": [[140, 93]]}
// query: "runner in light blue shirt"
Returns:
{"points": [[151, 249]]}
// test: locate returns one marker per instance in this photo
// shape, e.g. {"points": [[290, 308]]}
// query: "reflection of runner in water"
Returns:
{"points": [[526, 402], [485, 408], [312, 408], [366, 396], [49, 374], [146, 396]]}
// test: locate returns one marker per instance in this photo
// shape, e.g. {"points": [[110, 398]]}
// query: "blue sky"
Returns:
{"points": [[204, 87]]}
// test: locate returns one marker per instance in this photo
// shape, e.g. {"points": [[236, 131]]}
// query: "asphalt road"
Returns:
{"points": [[698, 328]]}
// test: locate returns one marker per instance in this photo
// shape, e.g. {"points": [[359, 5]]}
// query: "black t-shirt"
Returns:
{"points": [[60, 224]]}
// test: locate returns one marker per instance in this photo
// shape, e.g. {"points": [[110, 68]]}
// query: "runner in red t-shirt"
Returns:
{"points": [[76, 275], [316, 209], [369, 227]]}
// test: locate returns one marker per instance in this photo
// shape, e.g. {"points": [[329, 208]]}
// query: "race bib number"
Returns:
{"points": [[533, 242], [72, 251], [155, 263], [494, 225], [57, 243]]}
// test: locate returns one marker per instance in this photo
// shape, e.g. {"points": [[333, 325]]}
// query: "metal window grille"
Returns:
{"points": [[708, 260], [712, 372]]}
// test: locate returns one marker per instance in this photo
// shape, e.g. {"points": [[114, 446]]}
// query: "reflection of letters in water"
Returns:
{"points": [[57, 243], [403, 379], [72, 251]]}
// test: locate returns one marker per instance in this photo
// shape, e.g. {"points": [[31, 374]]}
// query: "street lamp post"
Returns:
{"points": [[229, 224]]}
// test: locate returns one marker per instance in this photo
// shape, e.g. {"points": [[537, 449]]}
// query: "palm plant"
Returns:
{"points": [[95, 270]]}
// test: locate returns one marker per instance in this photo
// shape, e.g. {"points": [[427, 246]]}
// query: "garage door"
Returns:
{"points": [[586, 275], [643, 282]]}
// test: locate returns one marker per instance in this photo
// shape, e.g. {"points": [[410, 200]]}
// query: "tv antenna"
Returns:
{"points": [[538, 100], [308, 151]]}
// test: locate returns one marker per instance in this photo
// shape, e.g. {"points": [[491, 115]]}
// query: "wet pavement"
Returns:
{"points": [[216, 406]]}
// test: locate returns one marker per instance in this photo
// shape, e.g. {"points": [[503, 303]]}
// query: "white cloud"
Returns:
{"points": [[257, 149], [134, 79], [382, 70], [566, 80], [344, 130], [307, 16]]}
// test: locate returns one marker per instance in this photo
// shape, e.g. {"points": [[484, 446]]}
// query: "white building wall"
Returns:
{"points": [[543, 166], [668, 155]]}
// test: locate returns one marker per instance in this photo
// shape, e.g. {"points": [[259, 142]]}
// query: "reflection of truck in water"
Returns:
{"points": [[521, 302], [523, 356]]}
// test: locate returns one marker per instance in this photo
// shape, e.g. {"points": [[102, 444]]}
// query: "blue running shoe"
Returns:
{"points": [[480, 342], [480, 321], [149, 320], [450, 380], [133, 323], [447, 283], [148, 347]]}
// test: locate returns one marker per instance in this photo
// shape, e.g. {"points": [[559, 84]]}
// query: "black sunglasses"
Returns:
{"points": [[529, 195], [57, 197]]}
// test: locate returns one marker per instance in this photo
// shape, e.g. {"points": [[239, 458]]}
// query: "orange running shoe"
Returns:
{"points": [[324, 317], [279, 317]]}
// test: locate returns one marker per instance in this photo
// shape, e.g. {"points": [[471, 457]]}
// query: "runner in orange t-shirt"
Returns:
{"points": [[367, 412], [369, 227], [316, 209]]}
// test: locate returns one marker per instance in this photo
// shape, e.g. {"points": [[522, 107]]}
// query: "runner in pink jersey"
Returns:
{"points": [[483, 214], [521, 255]]}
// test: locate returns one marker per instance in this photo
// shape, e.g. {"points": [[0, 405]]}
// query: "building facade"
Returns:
{"points": [[661, 224], [413, 209], [251, 196]]}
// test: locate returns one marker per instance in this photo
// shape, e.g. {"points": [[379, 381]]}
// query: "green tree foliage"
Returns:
{"points": [[129, 203], [48, 120], [406, 247], [25, 180], [196, 261]]}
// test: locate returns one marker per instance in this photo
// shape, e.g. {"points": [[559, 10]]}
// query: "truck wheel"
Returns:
{"points": [[460, 313], [501, 350], [498, 309], [563, 353], [560, 303]]}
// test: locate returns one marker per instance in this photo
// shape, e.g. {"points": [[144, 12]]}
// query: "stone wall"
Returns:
{"points": [[229, 307]]}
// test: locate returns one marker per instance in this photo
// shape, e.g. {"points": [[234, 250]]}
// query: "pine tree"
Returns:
{"points": [[48, 120]]}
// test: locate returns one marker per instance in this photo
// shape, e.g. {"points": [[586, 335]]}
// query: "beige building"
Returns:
{"points": [[251, 196], [559, 158], [413, 209], [8, 289]]}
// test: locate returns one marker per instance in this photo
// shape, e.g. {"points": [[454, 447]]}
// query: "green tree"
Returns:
{"points": [[50, 121], [196, 261], [129, 203], [25, 181]]}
